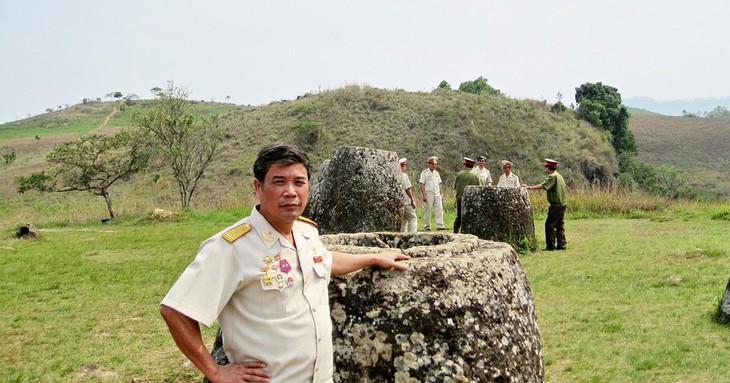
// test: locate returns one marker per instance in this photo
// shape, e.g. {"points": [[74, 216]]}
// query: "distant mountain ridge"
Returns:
{"points": [[677, 107]]}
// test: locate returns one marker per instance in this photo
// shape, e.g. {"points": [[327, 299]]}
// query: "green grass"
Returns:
{"points": [[632, 299]]}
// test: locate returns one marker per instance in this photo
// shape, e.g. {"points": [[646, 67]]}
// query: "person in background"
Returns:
{"points": [[554, 185], [265, 280], [508, 179], [465, 178], [430, 185], [410, 221], [483, 171]]}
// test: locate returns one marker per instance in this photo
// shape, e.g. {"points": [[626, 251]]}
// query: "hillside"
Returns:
{"points": [[698, 146], [448, 124]]}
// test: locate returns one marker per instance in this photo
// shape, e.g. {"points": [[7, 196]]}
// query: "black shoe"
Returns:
{"points": [[548, 249], [442, 228], [428, 228]]}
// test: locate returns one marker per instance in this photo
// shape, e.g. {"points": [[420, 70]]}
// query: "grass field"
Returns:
{"points": [[697, 146], [631, 300]]}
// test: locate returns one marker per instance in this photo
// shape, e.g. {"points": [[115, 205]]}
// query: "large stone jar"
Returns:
{"points": [[498, 214], [358, 190], [462, 312]]}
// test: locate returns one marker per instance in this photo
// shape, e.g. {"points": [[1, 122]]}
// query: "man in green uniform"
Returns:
{"points": [[554, 185], [465, 177]]}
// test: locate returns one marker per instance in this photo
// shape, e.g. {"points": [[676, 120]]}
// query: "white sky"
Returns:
{"points": [[56, 52]]}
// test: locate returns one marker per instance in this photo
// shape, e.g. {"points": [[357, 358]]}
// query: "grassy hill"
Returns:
{"points": [[448, 124], [698, 146]]}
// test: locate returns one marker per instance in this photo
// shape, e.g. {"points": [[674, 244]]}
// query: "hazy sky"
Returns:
{"points": [[56, 52]]}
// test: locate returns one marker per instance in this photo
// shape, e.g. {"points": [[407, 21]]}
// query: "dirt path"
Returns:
{"points": [[106, 120]]}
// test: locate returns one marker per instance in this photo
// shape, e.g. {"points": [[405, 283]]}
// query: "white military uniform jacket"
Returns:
{"points": [[510, 181], [484, 174], [270, 298], [431, 181]]}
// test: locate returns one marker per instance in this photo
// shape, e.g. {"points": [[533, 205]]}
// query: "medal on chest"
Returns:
{"points": [[276, 273]]}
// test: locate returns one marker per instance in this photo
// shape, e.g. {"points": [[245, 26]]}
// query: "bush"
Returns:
{"points": [[308, 133]]}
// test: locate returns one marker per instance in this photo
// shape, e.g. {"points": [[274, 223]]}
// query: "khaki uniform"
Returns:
{"points": [[270, 298], [555, 221], [485, 175], [431, 181], [510, 181], [410, 221], [465, 178]]}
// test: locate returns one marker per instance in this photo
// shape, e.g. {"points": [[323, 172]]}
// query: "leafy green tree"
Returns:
{"points": [[601, 106], [187, 142], [92, 163], [478, 86], [444, 85]]}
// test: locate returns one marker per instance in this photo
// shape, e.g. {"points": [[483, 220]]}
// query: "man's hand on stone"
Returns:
{"points": [[390, 260]]}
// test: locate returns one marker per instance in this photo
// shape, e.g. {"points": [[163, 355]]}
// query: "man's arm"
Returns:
{"points": [[343, 263], [533, 187], [186, 333], [422, 188], [409, 192]]}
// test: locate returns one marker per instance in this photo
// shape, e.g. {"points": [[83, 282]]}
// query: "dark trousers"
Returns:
{"points": [[555, 228], [457, 221]]}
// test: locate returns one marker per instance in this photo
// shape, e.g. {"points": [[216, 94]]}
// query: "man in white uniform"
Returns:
{"points": [[265, 280], [430, 185], [508, 179], [410, 221], [483, 172]]}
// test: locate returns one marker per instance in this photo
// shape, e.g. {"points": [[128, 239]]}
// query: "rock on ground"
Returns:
{"points": [[498, 214], [358, 190], [462, 312]]}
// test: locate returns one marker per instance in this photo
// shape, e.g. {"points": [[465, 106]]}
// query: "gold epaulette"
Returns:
{"points": [[236, 232], [307, 220]]}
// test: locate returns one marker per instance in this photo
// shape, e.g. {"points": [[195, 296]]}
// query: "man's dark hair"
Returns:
{"points": [[279, 154]]}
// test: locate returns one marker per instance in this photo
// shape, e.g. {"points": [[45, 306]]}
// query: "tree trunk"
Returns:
{"points": [[184, 198], [108, 201]]}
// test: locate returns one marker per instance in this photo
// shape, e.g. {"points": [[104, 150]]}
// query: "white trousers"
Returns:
{"points": [[410, 221], [433, 202]]}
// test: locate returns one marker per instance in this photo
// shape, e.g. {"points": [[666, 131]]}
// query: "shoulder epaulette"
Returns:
{"points": [[236, 232], [307, 220]]}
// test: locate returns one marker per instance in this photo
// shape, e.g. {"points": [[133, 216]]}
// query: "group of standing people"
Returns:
{"points": [[432, 195]]}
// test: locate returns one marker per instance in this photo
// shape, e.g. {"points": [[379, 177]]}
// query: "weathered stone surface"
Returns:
{"points": [[358, 190], [498, 214], [725, 305], [162, 214], [462, 312], [28, 231]]}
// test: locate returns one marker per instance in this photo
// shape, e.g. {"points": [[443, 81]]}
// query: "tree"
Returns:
{"points": [[478, 86], [92, 163], [187, 142], [601, 106], [444, 85], [719, 112]]}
